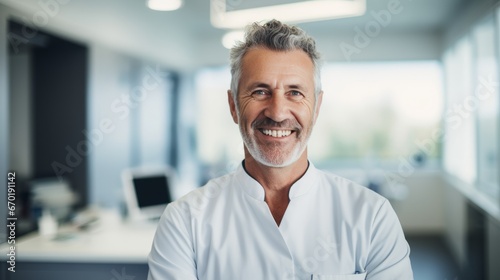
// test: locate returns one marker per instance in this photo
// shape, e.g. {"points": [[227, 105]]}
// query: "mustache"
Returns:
{"points": [[267, 122]]}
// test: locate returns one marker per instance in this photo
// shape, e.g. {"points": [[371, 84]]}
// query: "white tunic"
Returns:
{"points": [[332, 229]]}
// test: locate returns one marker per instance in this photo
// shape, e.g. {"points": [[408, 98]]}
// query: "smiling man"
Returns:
{"points": [[277, 216]]}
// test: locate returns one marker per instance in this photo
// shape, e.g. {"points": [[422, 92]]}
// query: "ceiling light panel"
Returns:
{"points": [[228, 14], [164, 5]]}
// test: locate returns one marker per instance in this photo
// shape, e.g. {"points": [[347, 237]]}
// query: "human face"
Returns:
{"points": [[276, 107]]}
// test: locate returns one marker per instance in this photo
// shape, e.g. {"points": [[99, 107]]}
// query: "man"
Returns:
{"points": [[277, 216]]}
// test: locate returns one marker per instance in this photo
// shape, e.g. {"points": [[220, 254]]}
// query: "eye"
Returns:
{"points": [[295, 94], [260, 94]]}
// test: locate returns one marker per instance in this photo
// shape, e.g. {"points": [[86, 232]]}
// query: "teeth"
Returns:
{"points": [[276, 133]]}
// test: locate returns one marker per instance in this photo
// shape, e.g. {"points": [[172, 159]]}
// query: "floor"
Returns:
{"points": [[431, 259]]}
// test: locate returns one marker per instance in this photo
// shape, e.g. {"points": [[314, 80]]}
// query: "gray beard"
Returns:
{"points": [[262, 158]]}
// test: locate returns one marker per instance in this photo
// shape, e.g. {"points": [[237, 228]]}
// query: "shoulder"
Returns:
{"points": [[345, 186], [200, 199], [348, 193], [357, 205]]}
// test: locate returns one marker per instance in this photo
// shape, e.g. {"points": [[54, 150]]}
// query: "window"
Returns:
{"points": [[219, 140], [486, 102], [383, 110], [460, 141], [471, 148]]}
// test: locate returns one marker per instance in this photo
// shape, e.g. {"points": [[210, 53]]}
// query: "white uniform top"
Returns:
{"points": [[332, 229]]}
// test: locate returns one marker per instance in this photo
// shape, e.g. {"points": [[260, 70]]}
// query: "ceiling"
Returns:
{"points": [[179, 38]]}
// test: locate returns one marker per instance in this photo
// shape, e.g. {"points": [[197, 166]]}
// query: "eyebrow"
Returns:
{"points": [[258, 85]]}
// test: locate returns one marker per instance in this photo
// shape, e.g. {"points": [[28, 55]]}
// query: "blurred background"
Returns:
{"points": [[90, 89]]}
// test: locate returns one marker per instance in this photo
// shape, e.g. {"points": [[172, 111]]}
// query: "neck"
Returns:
{"points": [[276, 182], [276, 179]]}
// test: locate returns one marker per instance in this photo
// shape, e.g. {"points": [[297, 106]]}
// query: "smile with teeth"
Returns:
{"points": [[276, 133]]}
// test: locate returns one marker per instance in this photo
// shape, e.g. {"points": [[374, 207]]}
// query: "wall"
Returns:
{"points": [[59, 109], [185, 128], [110, 77], [465, 18], [21, 155], [422, 212], [455, 221], [493, 240], [131, 107]]}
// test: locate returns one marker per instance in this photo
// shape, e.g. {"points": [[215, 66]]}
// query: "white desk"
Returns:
{"points": [[123, 243]]}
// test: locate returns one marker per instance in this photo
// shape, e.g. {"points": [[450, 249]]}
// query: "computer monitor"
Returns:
{"points": [[147, 191]]}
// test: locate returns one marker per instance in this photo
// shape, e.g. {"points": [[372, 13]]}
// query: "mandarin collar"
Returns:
{"points": [[252, 188]]}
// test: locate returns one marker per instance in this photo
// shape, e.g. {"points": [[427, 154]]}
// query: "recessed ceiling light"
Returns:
{"points": [[164, 5], [230, 38], [296, 12]]}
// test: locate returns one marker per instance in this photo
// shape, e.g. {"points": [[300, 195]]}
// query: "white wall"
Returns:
{"points": [[422, 212], [129, 120], [110, 77]]}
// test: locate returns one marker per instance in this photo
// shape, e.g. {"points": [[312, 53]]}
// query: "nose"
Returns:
{"points": [[277, 108]]}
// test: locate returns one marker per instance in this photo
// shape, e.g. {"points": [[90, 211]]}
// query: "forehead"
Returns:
{"points": [[270, 65]]}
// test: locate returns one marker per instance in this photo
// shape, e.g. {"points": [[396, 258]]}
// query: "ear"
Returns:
{"points": [[232, 106], [318, 105]]}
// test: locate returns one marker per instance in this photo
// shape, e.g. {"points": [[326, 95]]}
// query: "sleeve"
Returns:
{"points": [[172, 252], [389, 256]]}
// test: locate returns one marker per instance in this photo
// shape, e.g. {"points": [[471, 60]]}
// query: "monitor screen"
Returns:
{"points": [[151, 190], [147, 191]]}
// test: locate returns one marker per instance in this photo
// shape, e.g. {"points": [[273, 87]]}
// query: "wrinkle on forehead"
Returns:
{"points": [[284, 72]]}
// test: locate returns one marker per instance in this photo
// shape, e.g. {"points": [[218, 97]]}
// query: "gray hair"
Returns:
{"points": [[274, 35]]}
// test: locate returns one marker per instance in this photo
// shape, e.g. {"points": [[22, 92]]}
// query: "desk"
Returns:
{"points": [[110, 252]]}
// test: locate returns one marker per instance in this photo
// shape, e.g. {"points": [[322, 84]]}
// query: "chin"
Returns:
{"points": [[279, 161]]}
